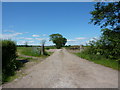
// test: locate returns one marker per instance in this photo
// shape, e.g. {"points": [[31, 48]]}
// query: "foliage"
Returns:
{"points": [[106, 46], [9, 63], [50, 47], [107, 15], [99, 59], [58, 39]]}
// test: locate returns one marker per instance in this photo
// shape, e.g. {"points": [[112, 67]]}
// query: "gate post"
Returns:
{"points": [[81, 48]]}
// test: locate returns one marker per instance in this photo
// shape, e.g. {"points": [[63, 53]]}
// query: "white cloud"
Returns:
{"points": [[80, 38], [12, 31], [91, 39], [22, 42], [94, 38], [30, 41], [24, 38], [17, 34], [87, 41], [71, 40], [35, 35], [9, 36]]}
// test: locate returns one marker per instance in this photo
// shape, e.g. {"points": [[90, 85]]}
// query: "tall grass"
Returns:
{"points": [[30, 51], [99, 59]]}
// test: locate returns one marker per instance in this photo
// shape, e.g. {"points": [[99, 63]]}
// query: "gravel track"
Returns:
{"points": [[65, 70]]}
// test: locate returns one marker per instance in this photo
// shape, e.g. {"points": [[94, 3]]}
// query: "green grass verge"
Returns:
{"points": [[24, 58], [15, 76], [50, 47], [30, 51], [10, 78], [98, 59], [18, 74]]}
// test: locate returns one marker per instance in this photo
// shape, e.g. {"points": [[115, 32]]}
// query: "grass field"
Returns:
{"points": [[50, 47], [32, 51], [98, 59]]}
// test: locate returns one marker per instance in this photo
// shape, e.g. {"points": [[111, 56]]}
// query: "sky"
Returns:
{"points": [[34, 21]]}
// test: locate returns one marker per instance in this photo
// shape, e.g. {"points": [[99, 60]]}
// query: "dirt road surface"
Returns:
{"points": [[65, 70]]}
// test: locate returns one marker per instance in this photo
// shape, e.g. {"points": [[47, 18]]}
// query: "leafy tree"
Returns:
{"points": [[58, 39], [107, 15]]}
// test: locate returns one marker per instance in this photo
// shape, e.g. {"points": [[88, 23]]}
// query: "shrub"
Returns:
{"points": [[99, 59], [9, 63], [47, 48]]}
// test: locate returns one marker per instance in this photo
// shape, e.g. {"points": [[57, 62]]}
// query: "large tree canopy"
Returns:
{"points": [[106, 14], [58, 39]]}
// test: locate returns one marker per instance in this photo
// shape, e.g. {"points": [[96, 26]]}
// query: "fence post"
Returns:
{"points": [[81, 48]]}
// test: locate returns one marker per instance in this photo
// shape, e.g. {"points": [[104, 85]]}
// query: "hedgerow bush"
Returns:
{"points": [[107, 18], [108, 45], [9, 62]]}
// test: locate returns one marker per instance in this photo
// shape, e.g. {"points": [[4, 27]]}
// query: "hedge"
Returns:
{"points": [[9, 62]]}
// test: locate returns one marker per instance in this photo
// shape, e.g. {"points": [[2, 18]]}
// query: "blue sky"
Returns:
{"points": [[34, 21]]}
